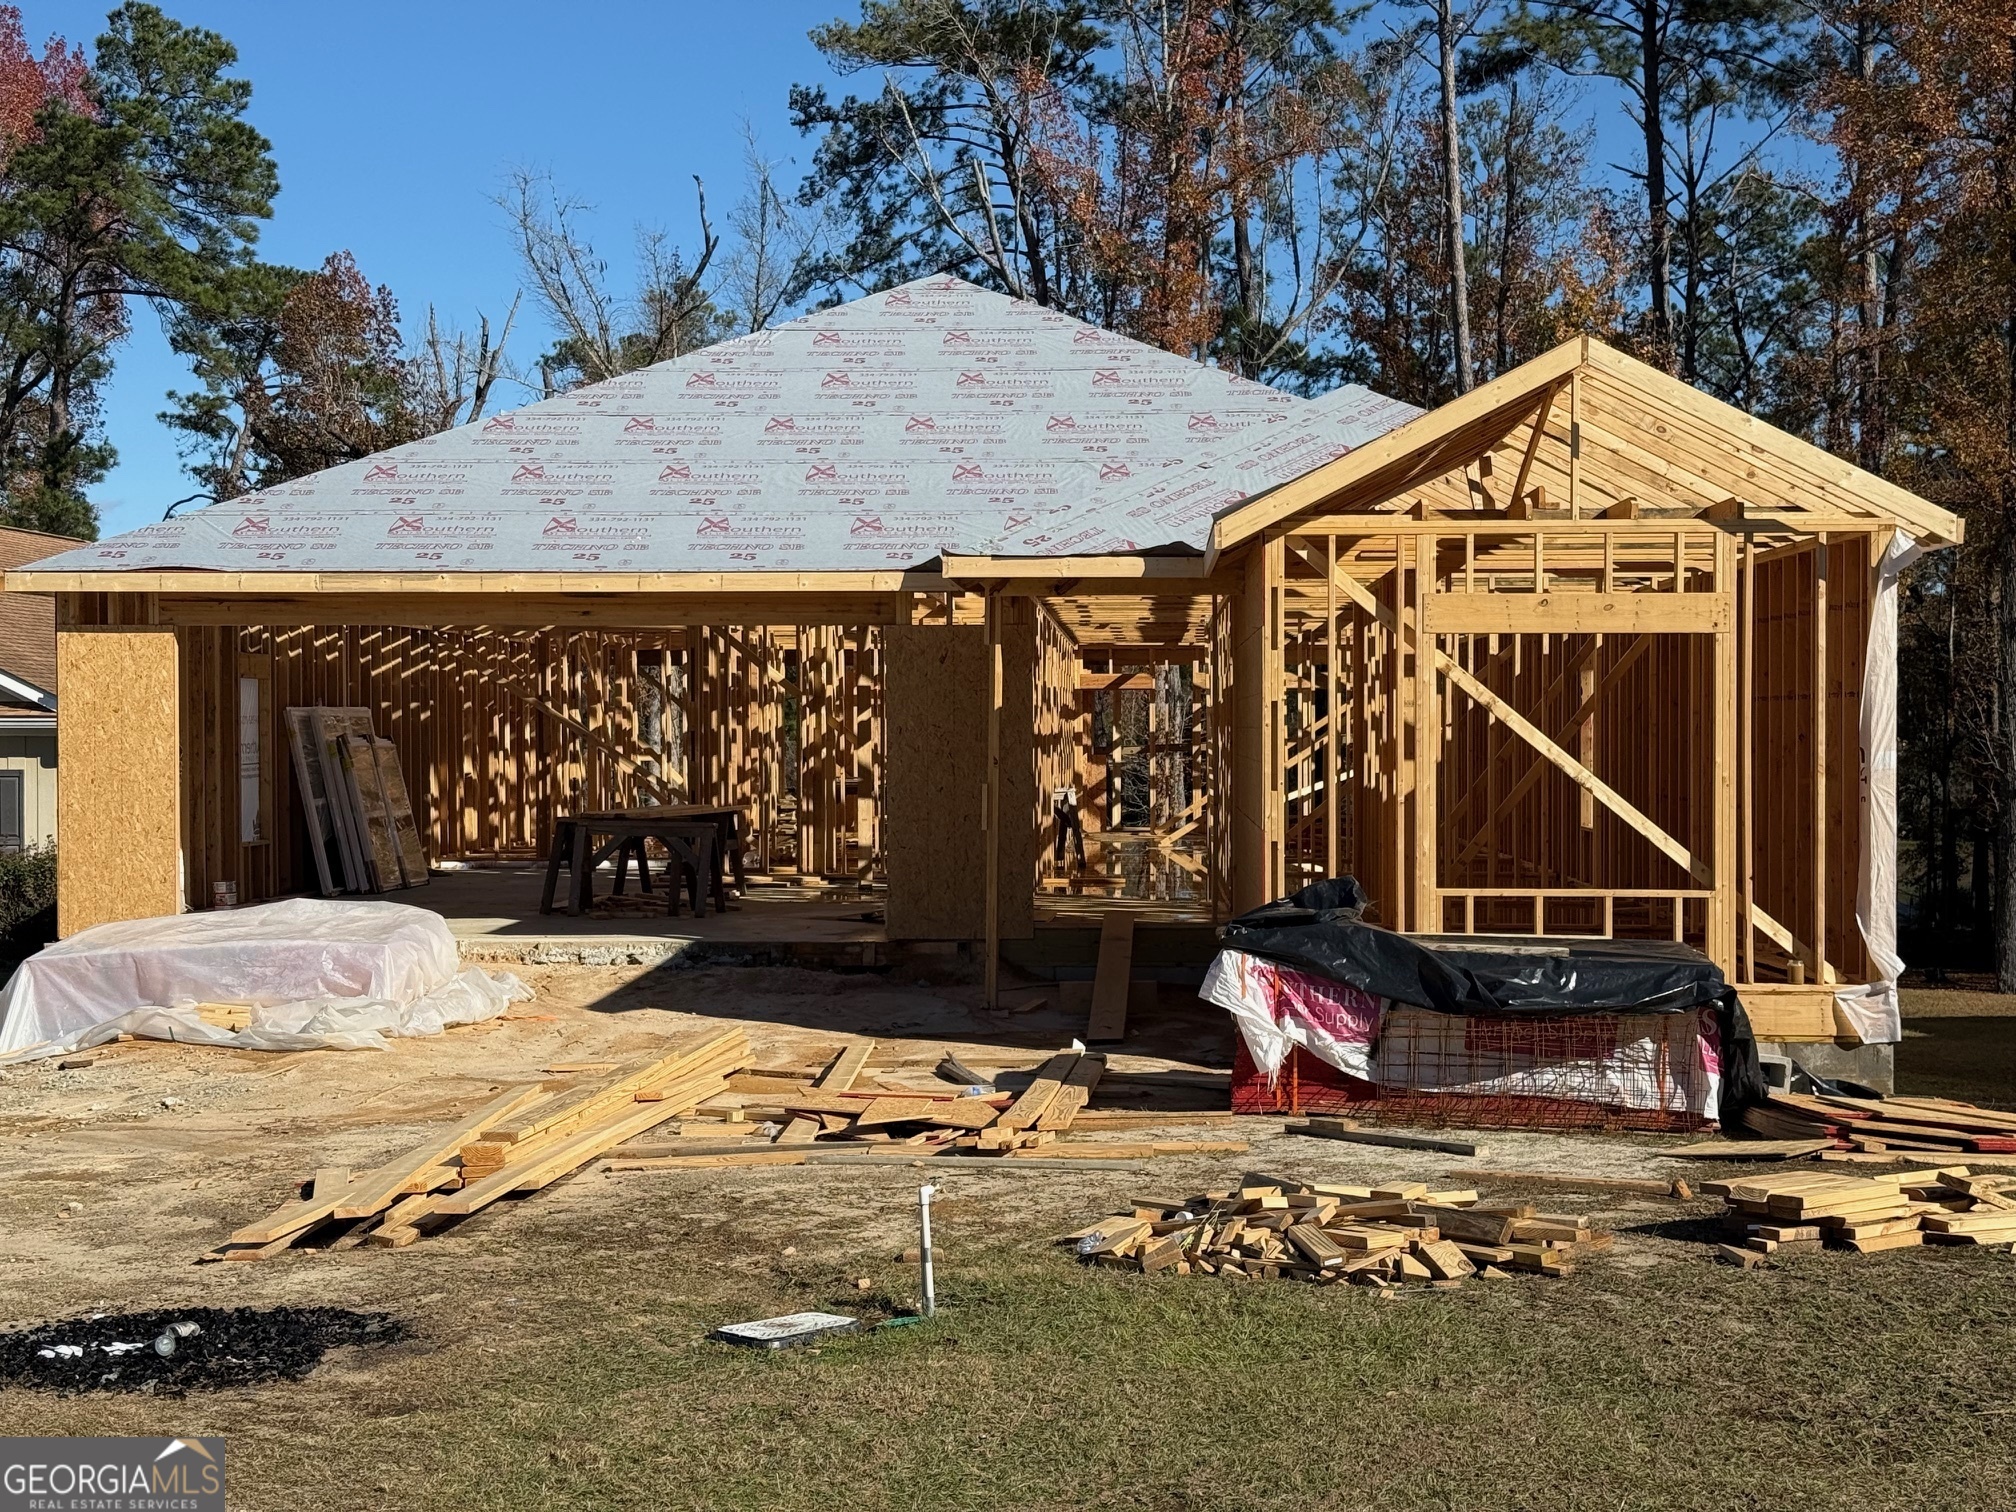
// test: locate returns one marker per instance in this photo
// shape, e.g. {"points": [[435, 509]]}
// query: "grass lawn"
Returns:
{"points": [[564, 1365]]}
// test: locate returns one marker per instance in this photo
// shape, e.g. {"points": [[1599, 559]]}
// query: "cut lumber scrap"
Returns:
{"points": [[845, 1067], [1348, 1131], [1073, 1094], [891, 1110], [1749, 1149], [1317, 1247], [327, 1181], [1108, 1019], [1445, 1261], [769, 1083], [1476, 1228], [962, 1113], [803, 1129], [1040, 1093], [1990, 1221], [1908, 1239]]}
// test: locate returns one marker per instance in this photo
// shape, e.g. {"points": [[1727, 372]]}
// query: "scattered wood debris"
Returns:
{"points": [[1878, 1125], [1793, 1213], [523, 1139], [1271, 1228], [528, 1137]]}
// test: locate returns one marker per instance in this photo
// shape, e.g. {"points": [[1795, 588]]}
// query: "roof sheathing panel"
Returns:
{"points": [[935, 417]]}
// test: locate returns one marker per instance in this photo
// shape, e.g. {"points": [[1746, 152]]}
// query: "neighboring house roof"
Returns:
{"points": [[932, 418], [27, 631]]}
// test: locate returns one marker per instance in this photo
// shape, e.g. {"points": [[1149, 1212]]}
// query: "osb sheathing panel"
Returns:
{"points": [[935, 775], [118, 804]]}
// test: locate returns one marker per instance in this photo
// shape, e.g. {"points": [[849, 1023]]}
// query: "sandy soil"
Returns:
{"points": [[114, 1178]]}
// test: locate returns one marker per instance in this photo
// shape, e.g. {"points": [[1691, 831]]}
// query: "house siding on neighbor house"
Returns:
{"points": [[27, 704], [30, 761]]}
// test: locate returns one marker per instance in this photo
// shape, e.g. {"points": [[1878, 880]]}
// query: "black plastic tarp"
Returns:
{"points": [[1320, 930]]}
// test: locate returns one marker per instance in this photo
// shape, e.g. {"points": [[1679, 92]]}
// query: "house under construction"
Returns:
{"points": [[1583, 652]]}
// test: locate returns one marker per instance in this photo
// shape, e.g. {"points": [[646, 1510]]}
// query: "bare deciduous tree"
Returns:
{"points": [[602, 334]]}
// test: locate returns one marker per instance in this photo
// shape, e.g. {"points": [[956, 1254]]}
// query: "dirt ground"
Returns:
{"points": [[557, 1355]]}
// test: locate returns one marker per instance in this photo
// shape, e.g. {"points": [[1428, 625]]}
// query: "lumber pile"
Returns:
{"points": [[1879, 1125], [1270, 1228], [830, 1114], [523, 1139], [1774, 1214]]}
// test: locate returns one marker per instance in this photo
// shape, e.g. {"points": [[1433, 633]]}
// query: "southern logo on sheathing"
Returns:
{"points": [[112, 1474]]}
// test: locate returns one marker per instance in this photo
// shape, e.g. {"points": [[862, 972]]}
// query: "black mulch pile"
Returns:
{"points": [[232, 1346]]}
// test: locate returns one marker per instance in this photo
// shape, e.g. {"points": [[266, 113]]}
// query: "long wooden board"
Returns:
{"points": [[1074, 1094], [845, 1067], [542, 1169], [1040, 1093], [387, 1179], [1108, 1021]]}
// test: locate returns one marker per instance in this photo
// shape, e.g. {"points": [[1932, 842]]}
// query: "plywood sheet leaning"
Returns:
{"points": [[330, 727], [312, 783], [119, 807], [381, 850], [1110, 979], [399, 810]]}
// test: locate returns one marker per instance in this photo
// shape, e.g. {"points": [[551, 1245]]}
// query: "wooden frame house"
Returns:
{"points": [[1583, 652]]}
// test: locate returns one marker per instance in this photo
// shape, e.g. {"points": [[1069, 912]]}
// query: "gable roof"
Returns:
{"points": [[936, 417], [1640, 436]]}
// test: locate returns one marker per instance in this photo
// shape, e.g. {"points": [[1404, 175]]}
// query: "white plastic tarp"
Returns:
{"points": [[1871, 1011], [317, 974]]}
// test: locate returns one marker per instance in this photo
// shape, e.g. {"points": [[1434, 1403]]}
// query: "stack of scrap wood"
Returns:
{"points": [[834, 1108], [1786, 1214], [1874, 1125], [1383, 1236], [524, 1139]]}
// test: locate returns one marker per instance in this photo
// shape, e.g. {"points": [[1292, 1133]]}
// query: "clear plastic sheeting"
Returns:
{"points": [[317, 974], [1870, 1012]]}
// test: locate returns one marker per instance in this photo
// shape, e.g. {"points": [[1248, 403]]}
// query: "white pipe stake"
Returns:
{"points": [[924, 1248]]}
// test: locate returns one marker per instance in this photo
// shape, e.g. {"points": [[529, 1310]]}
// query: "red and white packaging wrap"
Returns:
{"points": [[1279, 1009], [1666, 1062]]}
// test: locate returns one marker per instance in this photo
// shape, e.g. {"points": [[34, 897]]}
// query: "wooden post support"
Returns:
{"points": [[1427, 739], [119, 803], [1333, 733], [1274, 560], [991, 805], [1247, 716], [1722, 908], [1819, 968]]}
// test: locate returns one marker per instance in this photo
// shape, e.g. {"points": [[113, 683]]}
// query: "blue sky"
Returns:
{"points": [[394, 124]]}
